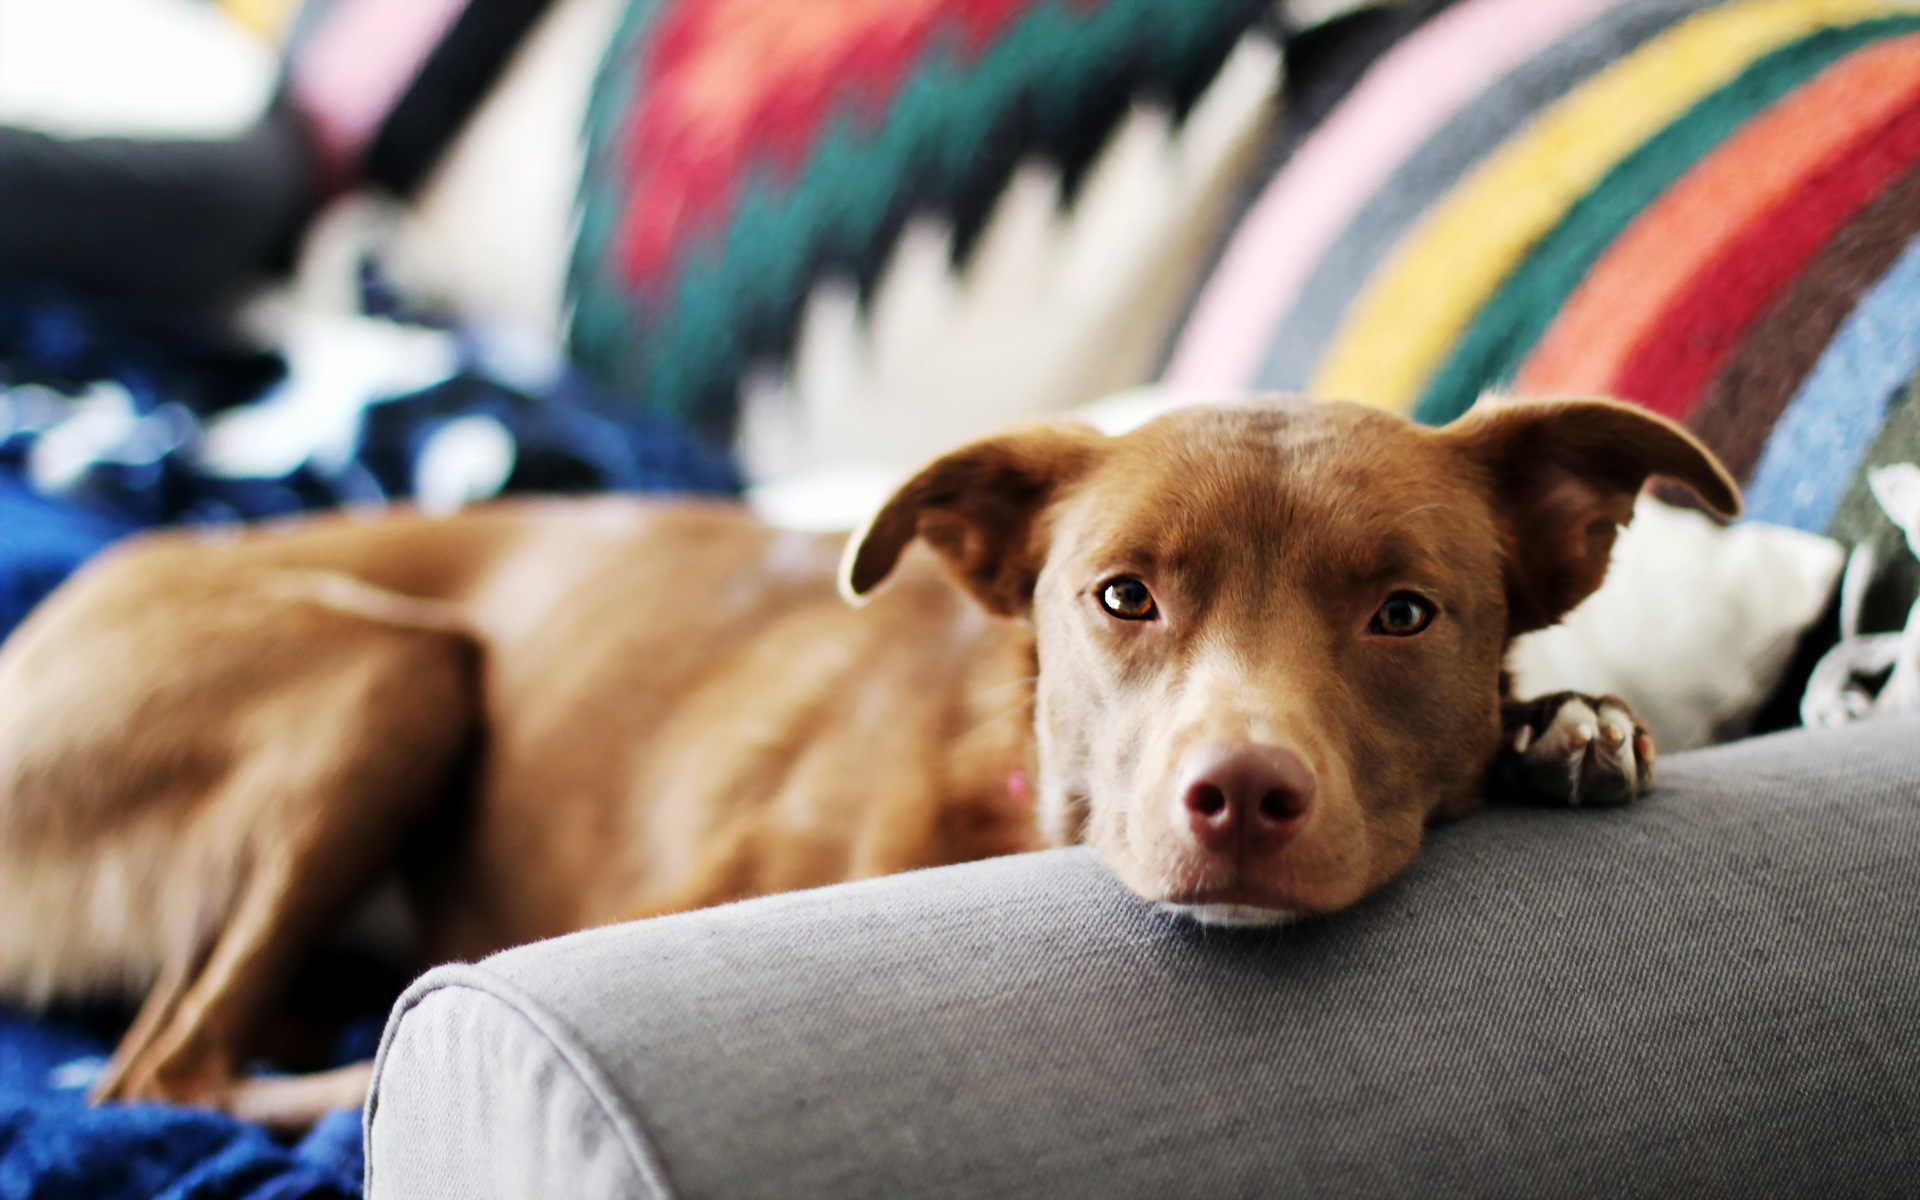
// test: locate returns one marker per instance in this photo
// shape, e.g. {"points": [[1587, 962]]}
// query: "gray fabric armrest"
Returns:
{"points": [[1715, 993]]}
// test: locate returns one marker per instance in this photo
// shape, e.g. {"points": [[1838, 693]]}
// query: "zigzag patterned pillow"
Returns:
{"points": [[745, 153]]}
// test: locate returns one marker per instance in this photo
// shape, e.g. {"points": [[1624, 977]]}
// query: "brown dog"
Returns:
{"points": [[1245, 652]]}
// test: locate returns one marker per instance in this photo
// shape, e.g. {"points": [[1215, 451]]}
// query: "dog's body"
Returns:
{"points": [[1247, 653]]}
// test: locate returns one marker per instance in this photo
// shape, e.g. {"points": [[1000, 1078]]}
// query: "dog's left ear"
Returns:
{"points": [[1565, 474], [982, 507]]}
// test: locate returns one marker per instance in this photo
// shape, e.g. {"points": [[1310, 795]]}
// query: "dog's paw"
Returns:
{"points": [[1574, 750]]}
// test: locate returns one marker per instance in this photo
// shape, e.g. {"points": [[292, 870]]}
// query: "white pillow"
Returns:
{"points": [[1694, 625]]}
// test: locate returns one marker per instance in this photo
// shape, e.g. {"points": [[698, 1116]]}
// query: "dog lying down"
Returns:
{"points": [[1245, 652]]}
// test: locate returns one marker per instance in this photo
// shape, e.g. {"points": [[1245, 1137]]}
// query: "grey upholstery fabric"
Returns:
{"points": [[1715, 993], [485, 1100]]}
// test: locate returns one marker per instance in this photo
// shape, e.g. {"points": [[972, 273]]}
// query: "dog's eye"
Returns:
{"points": [[1403, 615], [1127, 599]]}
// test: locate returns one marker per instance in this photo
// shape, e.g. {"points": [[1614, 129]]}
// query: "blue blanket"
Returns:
{"points": [[104, 430], [53, 1146]]}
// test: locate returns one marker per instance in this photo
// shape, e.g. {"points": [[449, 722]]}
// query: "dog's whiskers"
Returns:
{"points": [[1002, 713]]}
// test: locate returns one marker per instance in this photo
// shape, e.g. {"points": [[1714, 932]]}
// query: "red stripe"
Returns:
{"points": [[690, 145], [1696, 334]]}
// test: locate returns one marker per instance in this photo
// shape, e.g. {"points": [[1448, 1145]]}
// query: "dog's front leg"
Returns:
{"points": [[1571, 749]]}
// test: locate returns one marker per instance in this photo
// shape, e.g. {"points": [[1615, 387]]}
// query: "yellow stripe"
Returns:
{"points": [[268, 18], [1446, 267]]}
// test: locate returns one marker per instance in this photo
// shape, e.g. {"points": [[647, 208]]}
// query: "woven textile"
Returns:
{"points": [[1737, 409], [1710, 209], [1339, 163], [741, 150], [1755, 141], [1495, 114]]}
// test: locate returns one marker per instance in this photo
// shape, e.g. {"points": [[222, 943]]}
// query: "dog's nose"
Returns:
{"points": [[1254, 792]]}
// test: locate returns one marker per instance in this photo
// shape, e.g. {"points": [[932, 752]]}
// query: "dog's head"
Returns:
{"points": [[1271, 635]]}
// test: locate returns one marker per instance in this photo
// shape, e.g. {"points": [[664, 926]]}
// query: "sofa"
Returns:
{"points": [[1713, 993], [510, 261]]}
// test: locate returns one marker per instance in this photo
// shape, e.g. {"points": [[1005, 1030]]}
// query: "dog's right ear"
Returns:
{"points": [[981, 507]]}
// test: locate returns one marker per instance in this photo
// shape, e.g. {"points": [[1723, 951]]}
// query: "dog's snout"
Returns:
{"points": [[1256, 792]]}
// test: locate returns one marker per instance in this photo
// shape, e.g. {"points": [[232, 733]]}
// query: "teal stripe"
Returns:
{"points": [[600, 316], [1506, 330], [1502, 109]]}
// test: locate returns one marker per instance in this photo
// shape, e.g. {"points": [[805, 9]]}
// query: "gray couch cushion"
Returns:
{"points": [[1715, 993]]}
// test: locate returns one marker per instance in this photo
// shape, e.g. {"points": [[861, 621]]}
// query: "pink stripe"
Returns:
{"points": [[1402, 100], [355, 66]]}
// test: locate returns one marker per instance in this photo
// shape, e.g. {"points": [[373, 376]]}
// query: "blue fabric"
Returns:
{"points": [[1828, 426], [59, 360], [53, 1146], [41, 543]]}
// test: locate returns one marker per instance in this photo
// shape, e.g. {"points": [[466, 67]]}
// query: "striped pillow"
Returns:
{"points": [[1711, 209]]}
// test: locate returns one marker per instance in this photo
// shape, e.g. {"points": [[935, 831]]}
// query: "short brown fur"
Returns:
{"points": [[211, 746]]}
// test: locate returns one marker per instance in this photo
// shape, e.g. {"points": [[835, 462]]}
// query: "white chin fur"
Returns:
{"points": [[1241, 915]]}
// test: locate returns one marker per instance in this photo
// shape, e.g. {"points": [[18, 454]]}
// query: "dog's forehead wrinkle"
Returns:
{"points": [[1224, 523], [1236, 489]]}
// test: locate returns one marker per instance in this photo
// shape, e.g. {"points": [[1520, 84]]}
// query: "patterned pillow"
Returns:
{"points": [[742, 152], [1709, 209]]}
